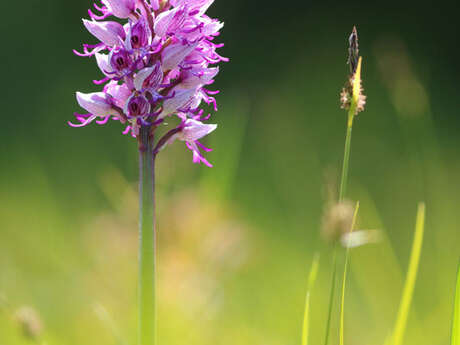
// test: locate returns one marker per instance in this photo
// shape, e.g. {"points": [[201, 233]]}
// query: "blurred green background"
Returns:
{"points": [[236, 241]]}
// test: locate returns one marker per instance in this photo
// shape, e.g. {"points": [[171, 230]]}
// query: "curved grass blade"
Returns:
{"points": [[455, 335], [311, 283], [406, 299], [344, 280]]}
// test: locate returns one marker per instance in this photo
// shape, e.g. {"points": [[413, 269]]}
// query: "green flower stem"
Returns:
{"points": [[332, 293], [147, 238], [343, 184], [343, 188], [346, 157]]}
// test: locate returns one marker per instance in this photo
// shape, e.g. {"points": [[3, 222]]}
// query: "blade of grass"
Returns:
{"points": [[306, 315], [104, 316], [344, 280], [455, 335], [332, 294], [406, 299]]}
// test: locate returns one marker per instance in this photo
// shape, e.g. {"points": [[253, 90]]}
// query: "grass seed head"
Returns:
{"points": [[29, 321], [353, 90], [337, 220]]}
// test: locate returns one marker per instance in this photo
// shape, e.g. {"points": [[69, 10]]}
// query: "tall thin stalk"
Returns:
{"points": [[147, 239], [346, 157], [311, 283], [331, 296], [455, 333], [344, 279], [344, 181], [356, 87]]}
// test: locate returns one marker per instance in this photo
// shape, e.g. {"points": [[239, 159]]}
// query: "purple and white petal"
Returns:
{"points": [[137, 106], [169, 21], [174, 54], [180, 100], [97, 103], [119, 93], [139, 35], [149, 77], [103, 62], [120, 8], [195, 130], [110, 33]]}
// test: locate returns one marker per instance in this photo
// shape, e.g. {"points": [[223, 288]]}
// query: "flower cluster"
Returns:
{"points": [[157, 64]]}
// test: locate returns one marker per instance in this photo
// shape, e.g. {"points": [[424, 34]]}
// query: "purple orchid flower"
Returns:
{"points": [[159, 62]]}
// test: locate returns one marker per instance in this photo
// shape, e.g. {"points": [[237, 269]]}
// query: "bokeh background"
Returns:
{"points": [[236, 241]]}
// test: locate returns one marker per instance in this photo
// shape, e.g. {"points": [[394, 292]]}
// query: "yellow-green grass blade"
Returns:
{"points": [[408, 291], [344, 280], [306, 315], [332, 293], [455, 335], [104, 316]]}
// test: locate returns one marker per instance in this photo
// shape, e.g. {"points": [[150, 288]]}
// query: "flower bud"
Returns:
{"points": [[108, 32], [120, 8]]}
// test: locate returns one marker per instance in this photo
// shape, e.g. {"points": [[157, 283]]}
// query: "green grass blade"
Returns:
{"points": [[455, 335], [332, 293], [104, 316], [409, 285], [344, 281], [311, 282]]}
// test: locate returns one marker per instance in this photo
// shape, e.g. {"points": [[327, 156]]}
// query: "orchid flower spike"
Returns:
{"points": [[159, 62]]}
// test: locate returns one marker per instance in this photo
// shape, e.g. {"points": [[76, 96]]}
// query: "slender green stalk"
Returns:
{"points": [[344, 280], [343, 183], [455, 335], [351, 116], [311, 282], [332, 294], [147, 238], [346, 159]]}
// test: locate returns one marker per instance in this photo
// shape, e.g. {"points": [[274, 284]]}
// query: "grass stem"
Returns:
{"points": [[344, 182], [311, 282], [344, 280], [332, 294], [455, 334], [346, 159]]}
